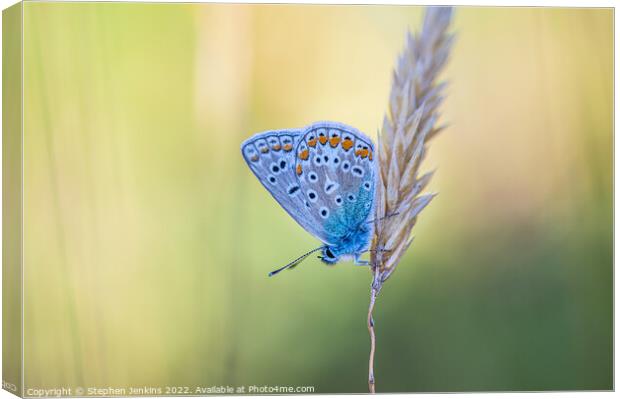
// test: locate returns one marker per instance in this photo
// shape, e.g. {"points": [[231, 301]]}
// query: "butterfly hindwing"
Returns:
{"points": [[335, 169]]}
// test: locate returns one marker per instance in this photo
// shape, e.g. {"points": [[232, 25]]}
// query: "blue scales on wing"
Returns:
{"points": [[336, 173]]}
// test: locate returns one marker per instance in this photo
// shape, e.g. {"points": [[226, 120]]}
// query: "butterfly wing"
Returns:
{"points": [[336, 171], [271, 157]]}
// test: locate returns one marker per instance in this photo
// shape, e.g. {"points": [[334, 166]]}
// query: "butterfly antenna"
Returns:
{"points": [[295, 262]]}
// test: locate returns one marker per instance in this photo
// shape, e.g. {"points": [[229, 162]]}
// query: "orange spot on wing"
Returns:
{"points": [[254, 158], [334, 141], [347, 144], [370, 155], [361, 153], [304, 155], [312, 143], [264, 150], [323, 140], [299, 169], [288, 147], [276, 147]]}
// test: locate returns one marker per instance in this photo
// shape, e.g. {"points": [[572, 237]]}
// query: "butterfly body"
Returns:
{"points": [[353, 245], [324, 177]]}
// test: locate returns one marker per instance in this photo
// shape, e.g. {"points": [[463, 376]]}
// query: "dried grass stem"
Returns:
{"points": [[409, 124]]}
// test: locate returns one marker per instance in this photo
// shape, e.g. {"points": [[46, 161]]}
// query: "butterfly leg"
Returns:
{"points": [[380, 250], [360, 262]]}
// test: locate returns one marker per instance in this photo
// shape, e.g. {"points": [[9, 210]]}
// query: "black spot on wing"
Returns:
{"points": [[293, 190]]}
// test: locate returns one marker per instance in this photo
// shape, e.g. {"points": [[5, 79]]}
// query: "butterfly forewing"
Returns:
{"points": [[271, 156]]}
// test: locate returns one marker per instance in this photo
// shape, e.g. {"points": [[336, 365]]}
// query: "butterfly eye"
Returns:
{"points": [[329, 253]]}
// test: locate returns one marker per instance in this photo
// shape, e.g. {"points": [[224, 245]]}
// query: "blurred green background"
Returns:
{"points": [[148, 240]]}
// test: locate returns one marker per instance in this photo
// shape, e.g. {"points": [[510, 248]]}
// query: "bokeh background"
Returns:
{"points": [[148, 240]]}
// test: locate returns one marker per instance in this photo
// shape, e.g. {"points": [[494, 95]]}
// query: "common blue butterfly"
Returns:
{"points": [[324, 176]]}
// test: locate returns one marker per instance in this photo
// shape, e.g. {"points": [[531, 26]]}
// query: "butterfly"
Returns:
{"points": [[323, 175]]}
